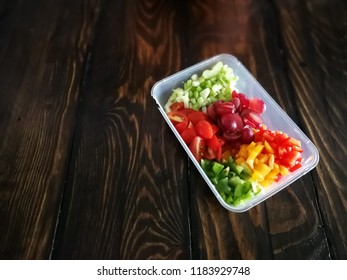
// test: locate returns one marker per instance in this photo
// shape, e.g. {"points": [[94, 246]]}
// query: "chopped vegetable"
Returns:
{"points": [[199, 92], [232, 181], [224, 131]]}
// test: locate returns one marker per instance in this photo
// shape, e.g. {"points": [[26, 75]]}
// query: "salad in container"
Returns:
{"points": [[243, 144]]}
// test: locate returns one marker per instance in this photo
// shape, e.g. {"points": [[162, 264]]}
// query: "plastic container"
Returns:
{"points": [[274, 118]]}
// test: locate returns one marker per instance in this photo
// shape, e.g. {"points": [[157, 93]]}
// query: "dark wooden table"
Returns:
{"points": [[90, 170]]}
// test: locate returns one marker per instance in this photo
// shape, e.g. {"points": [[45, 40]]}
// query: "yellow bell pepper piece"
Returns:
{"points": [[253, 154], [271, 177], [273, 174], [251, 146], [268, 147], [283, 170], [266, 183], [257, 176], [263, 169], [243, 151], [271, 161], [263, 157]]}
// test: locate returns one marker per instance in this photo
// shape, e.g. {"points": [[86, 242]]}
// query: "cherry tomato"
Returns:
{"points": [[181, 126], [209, 154], [196, 116], [188, 135], [177, 117], [176, 106], [197, 147], [213, 143], [204, 129], [187, 111], [214, 128]]}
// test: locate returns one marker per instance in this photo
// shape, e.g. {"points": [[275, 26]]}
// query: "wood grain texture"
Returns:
{"points": [[126, 194], [295, 226], [42, 48], [90, 170], [271, 230], [315, 44]]}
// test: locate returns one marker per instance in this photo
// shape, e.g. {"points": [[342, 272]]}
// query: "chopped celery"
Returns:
{"points": [[198, 92], [207, 74]]}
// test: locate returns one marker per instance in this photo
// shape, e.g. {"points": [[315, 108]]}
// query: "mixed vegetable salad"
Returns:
{"points": [[224, 130]]}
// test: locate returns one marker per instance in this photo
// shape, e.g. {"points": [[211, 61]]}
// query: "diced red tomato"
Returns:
{"points": [[214, 148], [177, 106], [181, 126], [187, 111], [209, 154], [196, 116], [204, 129], [214, 128], [197, 147], [188, 135], [177, 117], [213, 143], [190, 125], [198, 125]]}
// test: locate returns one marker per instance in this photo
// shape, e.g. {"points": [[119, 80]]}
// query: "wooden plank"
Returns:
{"points": [[295, 227], [127, 193], [247, 29], [43, 44], [314, 41]]}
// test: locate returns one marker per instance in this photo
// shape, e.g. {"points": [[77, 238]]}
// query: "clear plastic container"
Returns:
{"points": [[274, 118]]}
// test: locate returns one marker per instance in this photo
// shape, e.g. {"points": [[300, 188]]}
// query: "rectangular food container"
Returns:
{"points": [[274, 118]]}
